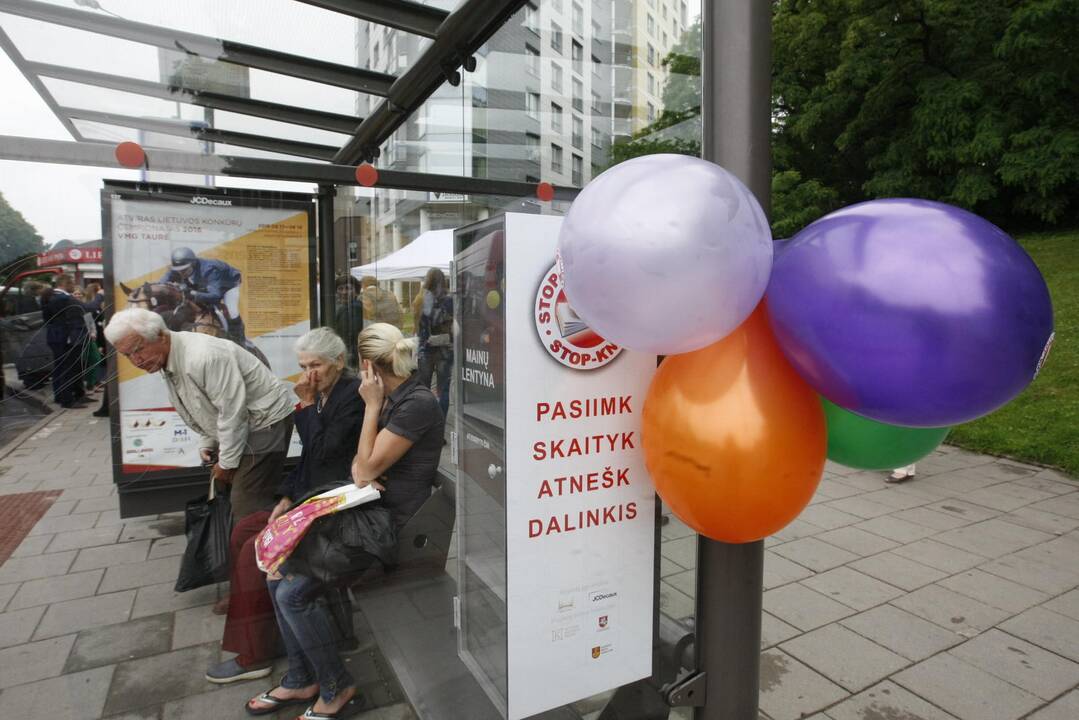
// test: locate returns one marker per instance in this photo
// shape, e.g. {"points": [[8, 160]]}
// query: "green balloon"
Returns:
{"points": [[859, 442]]}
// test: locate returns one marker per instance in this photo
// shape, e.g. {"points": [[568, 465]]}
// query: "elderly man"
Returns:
{"points": [[240, 410]]}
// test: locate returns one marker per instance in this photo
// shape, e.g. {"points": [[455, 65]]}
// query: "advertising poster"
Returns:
{"points": [[234, 264], [579, 505]]}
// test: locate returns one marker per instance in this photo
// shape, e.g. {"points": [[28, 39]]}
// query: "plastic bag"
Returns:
{"points": [[208, 525]]}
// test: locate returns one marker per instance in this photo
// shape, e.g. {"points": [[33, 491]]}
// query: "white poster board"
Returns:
{"points": [[580, 524]]}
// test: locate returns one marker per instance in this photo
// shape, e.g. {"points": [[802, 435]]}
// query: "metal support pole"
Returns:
{"points": [[736, 112], [326, 278]]}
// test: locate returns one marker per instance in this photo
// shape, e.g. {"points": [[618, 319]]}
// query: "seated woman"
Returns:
{"points": [[398, 453], [328, 419]]}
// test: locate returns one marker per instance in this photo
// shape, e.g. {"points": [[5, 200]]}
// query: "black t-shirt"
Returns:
{"points": [[412, 411]]}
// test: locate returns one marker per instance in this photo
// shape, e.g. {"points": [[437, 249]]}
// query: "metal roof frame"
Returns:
{"points": [[456, 35]]}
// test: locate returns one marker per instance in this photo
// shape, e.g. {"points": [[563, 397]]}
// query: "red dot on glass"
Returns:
{"points": [[130, 155], [366, 175], [545, 191]]}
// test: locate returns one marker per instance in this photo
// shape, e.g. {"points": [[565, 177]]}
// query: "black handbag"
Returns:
{"points": [[207, 525]]}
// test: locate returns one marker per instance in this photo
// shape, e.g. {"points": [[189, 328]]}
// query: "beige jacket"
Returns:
{"points": [[222, 392]]}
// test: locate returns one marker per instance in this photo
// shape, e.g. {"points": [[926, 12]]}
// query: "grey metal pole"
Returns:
{"points": [[326, 259], [736, 113]]}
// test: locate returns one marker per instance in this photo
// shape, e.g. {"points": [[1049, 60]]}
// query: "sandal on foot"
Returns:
{"points": [[273, 704], [347, 710]]}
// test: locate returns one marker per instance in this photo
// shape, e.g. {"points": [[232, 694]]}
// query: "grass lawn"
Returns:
{"points": [[1042, 424]]}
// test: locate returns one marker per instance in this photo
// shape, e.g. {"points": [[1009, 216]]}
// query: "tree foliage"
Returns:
{"points": [[970, 103], [18, 238]]}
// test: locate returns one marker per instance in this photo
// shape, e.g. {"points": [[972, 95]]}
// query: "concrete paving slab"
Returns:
{"points": [[836, 490], [895, 497], [1030, 573], [803, 607], [790, 690], [995, 591], [1050, 481], [32, 545], [951, 610], [1048, 630], [154, 599], [153, 713], [1064, 708], [798, 529], [852, 588], [64, 523], [778, 570], [887, 701], [151, 529], [1067, 505], [901, 632], [1066, 604], [6, 593], [166, 547], [111, 644], [931, 518], [17, 626], [97, 504], [78, 539], [943, 557], [39, 566], [1006, 496], [120, 554], [775, 631], [74, 615], [56, 589], [1041, 520], [153, 680], [1037, 671], [814, 554], [140, 574], [858, 541], [34, 661], [897, 570], [68, 697], [828, 517], [993, 538], [892, 528], [195, 626], [682, 551], [965, 691], [223, 703], [844, 657], [675, 603], [861, 507]]}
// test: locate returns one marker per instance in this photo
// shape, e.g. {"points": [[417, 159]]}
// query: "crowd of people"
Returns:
{"points": [[72, 316], [383, 428]]}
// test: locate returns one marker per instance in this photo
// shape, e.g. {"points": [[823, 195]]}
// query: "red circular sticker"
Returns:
{"points": [[545, 191], [130, 154], [366, 175], [567, 338]]}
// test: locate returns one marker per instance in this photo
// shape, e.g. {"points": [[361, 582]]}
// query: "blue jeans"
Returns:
{"points": [[437, 361], [309, 637]]}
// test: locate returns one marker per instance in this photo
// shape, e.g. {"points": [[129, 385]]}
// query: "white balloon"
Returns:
{"points": [[665, 253]]}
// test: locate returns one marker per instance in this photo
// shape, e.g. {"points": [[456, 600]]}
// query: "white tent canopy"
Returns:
{"points": [[433, 248]]}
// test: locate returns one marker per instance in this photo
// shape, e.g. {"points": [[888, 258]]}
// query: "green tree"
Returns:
{"points": [[18, 238], [972, 103]]}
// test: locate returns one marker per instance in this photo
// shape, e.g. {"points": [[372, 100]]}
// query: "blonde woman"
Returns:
{"points": [[398, 452]]}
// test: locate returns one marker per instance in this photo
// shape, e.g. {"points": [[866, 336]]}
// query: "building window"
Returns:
{"points": [[578, 95], [479, 166], [597, 33], [578, 168], [532, 146], [651, 112], [532, 59], [650, 23], [663, 10], [577, 54], [595, 65], [556, 117], [556, 36], [531, 179], [532, 101], [597, 139], [651, 54], [531, 18], [578, 19], [664, 40], [595, 103], [556, 76], [651, 83], [557, 5], [556, 157], [578, 133]]}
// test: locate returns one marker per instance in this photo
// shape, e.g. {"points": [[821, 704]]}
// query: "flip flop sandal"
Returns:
{"points": [[352, 707], [273, 704]]}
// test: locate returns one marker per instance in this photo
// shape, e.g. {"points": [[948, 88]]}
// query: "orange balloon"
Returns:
{"points": [[735, 440]]}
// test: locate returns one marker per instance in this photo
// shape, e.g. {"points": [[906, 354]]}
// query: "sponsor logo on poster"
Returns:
{"points": [[601, 596], [565, 336], [203, 200], [599, 650], [602, 621]]}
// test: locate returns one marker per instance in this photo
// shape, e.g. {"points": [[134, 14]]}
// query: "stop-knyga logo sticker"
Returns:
{"points": [[568, 339]]}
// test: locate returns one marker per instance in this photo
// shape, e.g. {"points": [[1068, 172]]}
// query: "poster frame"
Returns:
{"points": [[151, 492]]}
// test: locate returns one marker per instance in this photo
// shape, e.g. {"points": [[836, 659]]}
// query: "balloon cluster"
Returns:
{"points": [[863, 340]]}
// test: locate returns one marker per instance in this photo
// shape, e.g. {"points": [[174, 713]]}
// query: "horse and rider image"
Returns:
{"points": [[199, 295]]}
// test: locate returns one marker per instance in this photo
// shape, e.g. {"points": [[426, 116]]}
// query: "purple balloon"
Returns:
{"points": [[910, 312]]}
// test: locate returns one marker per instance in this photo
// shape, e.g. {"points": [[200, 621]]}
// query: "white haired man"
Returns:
{"points": [[240, 410]]}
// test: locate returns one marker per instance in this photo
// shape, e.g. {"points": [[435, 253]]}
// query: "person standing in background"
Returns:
{"points": [[66, 335]]}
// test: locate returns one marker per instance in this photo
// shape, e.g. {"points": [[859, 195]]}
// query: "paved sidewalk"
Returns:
{"points": [[952, 596]]}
